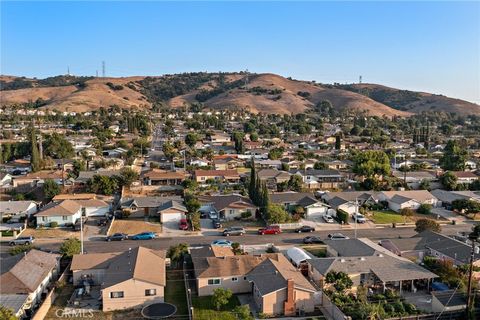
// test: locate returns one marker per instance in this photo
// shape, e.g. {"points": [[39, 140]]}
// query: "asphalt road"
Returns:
{"points": [[249, 239]]}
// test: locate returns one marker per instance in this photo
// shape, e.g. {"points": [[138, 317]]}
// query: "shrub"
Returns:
{"points": [[246, 215], [54, 224], [342, 216], [425, 208], [20, 249]]}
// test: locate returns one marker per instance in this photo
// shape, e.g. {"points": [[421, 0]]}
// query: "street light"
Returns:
{"points": [[473, 237]]}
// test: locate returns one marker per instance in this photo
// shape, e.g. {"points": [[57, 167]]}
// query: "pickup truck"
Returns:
{"points": [[22, 241]]}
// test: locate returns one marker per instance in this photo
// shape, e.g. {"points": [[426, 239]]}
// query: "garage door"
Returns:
{"points": [[315, 212], [171, 217]]}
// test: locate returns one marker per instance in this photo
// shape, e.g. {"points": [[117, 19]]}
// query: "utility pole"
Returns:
{"points": [[81, 233], [356, 216], [470, 304]]}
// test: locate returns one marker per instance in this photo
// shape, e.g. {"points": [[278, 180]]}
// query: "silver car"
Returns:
{"points": [[22, 241]]}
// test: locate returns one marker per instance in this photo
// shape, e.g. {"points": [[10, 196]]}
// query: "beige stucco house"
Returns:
{"points": [[128, 279]]}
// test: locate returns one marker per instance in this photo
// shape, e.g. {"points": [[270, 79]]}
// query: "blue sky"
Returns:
{"points": [[424, 46]]}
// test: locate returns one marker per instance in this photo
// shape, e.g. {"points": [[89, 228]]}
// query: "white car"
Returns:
{"points": [[328, 218], [360, 218]]}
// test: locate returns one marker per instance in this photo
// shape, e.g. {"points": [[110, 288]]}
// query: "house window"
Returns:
{"points": [[150, 292], [234, 279], [116, 294], [44, 219], [214, 282], [84, 211], [244, 278], [64, 218]]}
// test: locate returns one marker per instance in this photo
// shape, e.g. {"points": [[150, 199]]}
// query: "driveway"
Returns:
{"points": [[449, 215], [170, 229], [208, 229]]}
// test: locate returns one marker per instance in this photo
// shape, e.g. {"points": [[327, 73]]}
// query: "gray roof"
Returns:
{"points": [[14, 207], [172, 204], [350, 248], [450, 196], [290, 197], [84, 176], [350, 195], [14, 302], [317, 173], [398, 199], [450, 298], [149, 202], [386, 268]]}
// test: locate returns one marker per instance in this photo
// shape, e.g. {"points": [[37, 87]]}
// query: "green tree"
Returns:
{"points": [[221, 297], [191, 139], [70, 247], [102, 185], [406, 213], [454, 157], [238, 140], [195, 221], [243, 312], [338, 142], [7, 314], [35, 160], [295, 183], [427, 224], [425, 208], [56, 146], [128, 176], [252, 186], [340, 280], [50, 189], [177, 252], [370, 163], [449, 180], [319, 165], [79, 165], [253, 136], [277, 214], [424, 185], [275, 153]]}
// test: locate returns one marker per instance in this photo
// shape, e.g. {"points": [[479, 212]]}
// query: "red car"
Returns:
{"points": [[270, 230], [183, 225]]}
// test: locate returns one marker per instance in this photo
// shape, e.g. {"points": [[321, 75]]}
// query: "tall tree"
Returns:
{"points": [[454, 157], [252, 187], [35, 155]]}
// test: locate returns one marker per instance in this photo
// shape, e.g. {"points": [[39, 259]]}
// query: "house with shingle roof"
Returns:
{"points": [[17, 209], [25, 280], [128, 279], [378, 272], [229, 206], [202, 176], [312, 206], [64, 213]]}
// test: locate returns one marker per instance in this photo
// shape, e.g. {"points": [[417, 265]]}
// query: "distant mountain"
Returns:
{"points": [[266, 93]]}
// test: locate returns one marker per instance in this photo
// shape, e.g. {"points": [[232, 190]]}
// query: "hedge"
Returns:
{"points": [[342, 216]]}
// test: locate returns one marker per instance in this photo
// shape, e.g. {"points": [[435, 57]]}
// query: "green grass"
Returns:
{"points": [[175, 291], [387, 216], [7, 233], [204, 310], [317, 251]]}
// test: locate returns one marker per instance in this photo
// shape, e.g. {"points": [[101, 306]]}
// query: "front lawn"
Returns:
{"points": [[175, 291], [132, 226], [204, 310], [387, 216]]}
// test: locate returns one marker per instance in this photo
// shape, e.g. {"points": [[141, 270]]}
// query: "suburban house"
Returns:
{"points": [[268, 164], [25, 278], [64, 213], [227, 163], [280, 289], [17, 209], [272, 177], [146, 206], [435, 245], [277, 287], [5, 179], [171, 212], [466, 177], [397, 200], [377, 272], [94, 207], [320, 179], [346, 201], [127, 279], [228, 207], [230, 176], [219, 138], [447, 197], [313, 207], [84, 176], [162, 177], [38, 178], [414, 178]]}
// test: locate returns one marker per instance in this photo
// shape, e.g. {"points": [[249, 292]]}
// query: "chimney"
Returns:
{"points": [[289, 304]]}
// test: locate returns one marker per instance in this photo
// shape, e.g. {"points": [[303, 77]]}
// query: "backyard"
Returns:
{"points": [[319, 251], [203, 309], [175, 291], [134, 226]]}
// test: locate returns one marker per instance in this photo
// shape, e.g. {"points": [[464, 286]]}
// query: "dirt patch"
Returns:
{"points": [[50, 233], [134, 227]]}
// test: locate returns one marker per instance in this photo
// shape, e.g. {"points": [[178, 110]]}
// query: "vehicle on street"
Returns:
{"points": [[234, 231], [312, 239], [270, 230], [22, 241], [305, 229], [360, 218], [337, 236], [328, 218], [222, 243], [183, 224], [143, 236], [216, 223], [117, 237]]}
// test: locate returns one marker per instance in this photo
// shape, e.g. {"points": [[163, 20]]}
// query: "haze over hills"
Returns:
{"points": [[266, 93]]}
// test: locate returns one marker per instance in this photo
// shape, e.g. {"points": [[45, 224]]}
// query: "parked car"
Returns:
{"points": [[143, 236], [222, 243], [360, 218], [234, 231], [102, 222], [183, 224], [337, 236], [213, 215], [216, 223], [22, 241], [304, 229], [312, 239], [328, 218], [117, 237], [270, 230]]}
